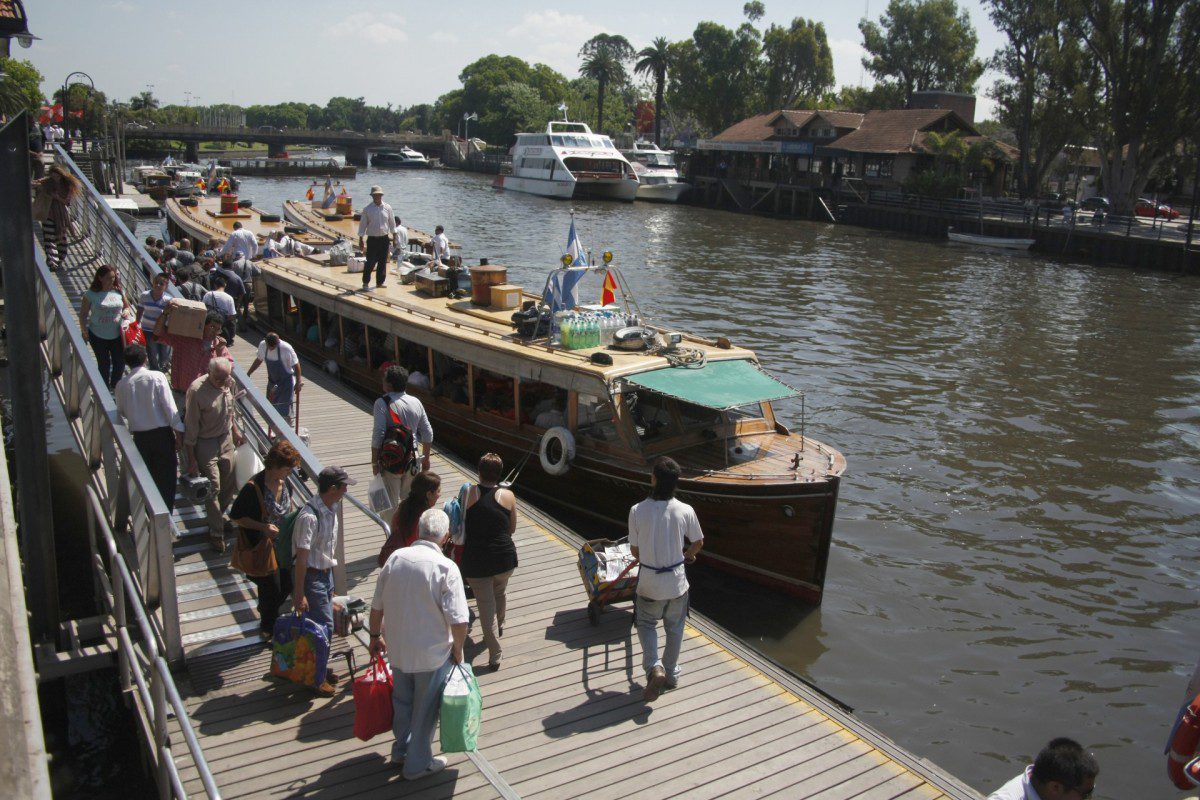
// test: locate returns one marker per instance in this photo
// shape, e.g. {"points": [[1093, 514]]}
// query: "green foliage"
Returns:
{"points": [[604, 58], [996, 129], [280, 115], [799, 64], [654, 61], [754, 10], [21, 87], [143, 101], [930, 183], [715, 75], [881, 96], [923, 45], [81, 96]]}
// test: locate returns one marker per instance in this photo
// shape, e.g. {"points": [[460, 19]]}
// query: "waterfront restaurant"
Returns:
{"points": [[814, 150]]}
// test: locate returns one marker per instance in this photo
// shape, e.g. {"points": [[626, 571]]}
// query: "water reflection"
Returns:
{"points": [[1013, 555]]}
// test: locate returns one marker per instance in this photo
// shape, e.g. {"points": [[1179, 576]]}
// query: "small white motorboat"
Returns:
{"points": [[979, 240]]}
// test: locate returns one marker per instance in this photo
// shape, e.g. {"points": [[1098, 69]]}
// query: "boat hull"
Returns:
{"points": [[663, 192], [619, 189], [990, 241]]}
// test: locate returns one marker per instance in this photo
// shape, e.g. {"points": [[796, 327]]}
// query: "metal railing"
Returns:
{"points": [[143, 671]]}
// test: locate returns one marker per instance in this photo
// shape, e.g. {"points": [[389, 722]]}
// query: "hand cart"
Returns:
{"points": [[601, 592]]}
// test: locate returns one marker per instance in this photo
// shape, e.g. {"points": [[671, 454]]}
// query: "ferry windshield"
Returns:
{"points": [[658, 159]]}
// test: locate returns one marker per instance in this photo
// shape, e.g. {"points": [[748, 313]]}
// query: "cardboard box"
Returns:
{"points": [[187, 319], [506, 296]]}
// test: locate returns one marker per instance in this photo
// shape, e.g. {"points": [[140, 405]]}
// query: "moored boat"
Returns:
{"points": [[203, 220], [569, 161], [290, 167], [979, 240], [658, 175], [586, 424], [404, 157]]}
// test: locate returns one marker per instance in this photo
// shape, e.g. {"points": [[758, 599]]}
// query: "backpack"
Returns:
{"points": [[397, 453], [456, 510]]}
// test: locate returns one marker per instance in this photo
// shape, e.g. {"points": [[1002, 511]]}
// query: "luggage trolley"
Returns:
{"points": [[601, 592]]}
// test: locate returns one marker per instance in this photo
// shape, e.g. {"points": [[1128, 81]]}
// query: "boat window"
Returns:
{"points": [[693, 416], [544, 140], [606, 142], [354, 342], [494, 394], [596, 419], [451, 378], [542, 405], [652, 417], [557, 140], [275, 304], [379, 348]]}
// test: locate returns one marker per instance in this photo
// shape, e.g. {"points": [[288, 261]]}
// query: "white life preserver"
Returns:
{"points": [[557, 451]]}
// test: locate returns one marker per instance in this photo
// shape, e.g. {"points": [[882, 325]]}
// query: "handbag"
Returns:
{"points": [[462, 710], [132, 333], [255, 560], [373, 700]]}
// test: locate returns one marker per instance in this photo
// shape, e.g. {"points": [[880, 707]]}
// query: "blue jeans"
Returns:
{"points": [[159, 355], [416, 697], [318, 589], [673, 614], [110, 356]]}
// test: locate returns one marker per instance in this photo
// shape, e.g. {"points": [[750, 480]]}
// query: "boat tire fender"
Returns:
{"points": [[269, 217], [557, 451], [1185, 740]]}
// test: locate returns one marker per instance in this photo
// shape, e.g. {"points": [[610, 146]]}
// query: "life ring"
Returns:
{"points": [[557, 451], [1185, 737]]}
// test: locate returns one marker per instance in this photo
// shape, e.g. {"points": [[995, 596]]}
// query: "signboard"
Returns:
{"points": [[782, 148]]}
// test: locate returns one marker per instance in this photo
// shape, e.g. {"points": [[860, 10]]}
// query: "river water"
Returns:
{"points": [[1013, 556]]}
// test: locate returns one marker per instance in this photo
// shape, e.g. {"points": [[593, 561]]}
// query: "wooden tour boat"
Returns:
{"points": [[201, 220], [765, 496]]}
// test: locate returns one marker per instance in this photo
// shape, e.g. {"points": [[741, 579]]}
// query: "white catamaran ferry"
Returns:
{"points": [[658, 176], [568, 160]]}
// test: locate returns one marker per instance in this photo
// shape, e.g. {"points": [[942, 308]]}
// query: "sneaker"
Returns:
{"points": [[435, 766], [326, 689], [366, 288], [654, 684]]}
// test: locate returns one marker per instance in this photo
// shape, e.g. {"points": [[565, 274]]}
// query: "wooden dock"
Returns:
{"points": [[564, 717]]}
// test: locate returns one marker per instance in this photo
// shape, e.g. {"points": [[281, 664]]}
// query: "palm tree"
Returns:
{"points": [[604, 57], [143, 101], [652, 60]]}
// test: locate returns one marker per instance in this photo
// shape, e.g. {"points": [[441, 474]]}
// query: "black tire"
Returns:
{"points": [[593, 612], [245, 203], [269, 217]]}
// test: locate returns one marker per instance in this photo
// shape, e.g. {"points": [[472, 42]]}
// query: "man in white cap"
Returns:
{"points": [[379, 225]]}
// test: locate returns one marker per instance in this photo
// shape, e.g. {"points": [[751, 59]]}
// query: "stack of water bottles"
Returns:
{"points": [[580, 330]]}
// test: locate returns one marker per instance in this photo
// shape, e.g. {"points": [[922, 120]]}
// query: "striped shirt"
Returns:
{"points": [[316, 532], [152, 309]]}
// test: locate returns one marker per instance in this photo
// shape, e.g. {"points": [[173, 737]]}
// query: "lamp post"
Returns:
{"points": [[66, 102], [467, 130]]}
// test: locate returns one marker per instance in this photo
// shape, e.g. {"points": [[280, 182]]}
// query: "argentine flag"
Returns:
{"points": [[330, 198], [562, 287]]}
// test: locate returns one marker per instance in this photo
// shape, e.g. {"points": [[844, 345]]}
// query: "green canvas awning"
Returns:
{"points": [[718, 384]]}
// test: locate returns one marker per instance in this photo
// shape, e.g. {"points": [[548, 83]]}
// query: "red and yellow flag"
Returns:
{"points": [[608, 293], [201, 185]]}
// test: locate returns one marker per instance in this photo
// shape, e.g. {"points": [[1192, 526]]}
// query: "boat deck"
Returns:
{"points": [[329, 223], [564, 717], [205, 219]]}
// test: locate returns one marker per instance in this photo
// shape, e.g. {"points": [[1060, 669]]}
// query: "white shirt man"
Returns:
{"points": [[441, 246], [145, 401], [664, 534], [241, 243], [419, 618], [222, 301], [376, 219], [412, 413], [315, 544]]}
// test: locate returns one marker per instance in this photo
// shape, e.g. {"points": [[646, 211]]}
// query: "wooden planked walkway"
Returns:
{"points": [[563, 717]]}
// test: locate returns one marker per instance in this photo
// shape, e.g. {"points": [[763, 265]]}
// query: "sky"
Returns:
{"points": [[270, 51]]}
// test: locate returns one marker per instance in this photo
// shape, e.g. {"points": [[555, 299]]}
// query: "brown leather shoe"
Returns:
{"points": [[331, 677], [654, 684], [326, 689]]}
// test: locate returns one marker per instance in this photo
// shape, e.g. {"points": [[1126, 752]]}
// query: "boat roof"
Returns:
{"points": [[205, 216], [330, 223], [488, 334]]}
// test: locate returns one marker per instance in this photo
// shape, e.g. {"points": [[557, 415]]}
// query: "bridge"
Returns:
{"points": [[357, 145]]}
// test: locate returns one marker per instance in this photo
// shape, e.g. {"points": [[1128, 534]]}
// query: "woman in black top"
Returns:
{"points": [[247, 513], [489, 555]]}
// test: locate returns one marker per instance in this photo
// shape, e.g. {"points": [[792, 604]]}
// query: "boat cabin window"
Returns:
{"points": [[379, 348], [652, 415], [354, 342], [450, 378], [596, 419], [542, 405], [558, 140], [494, 394]]}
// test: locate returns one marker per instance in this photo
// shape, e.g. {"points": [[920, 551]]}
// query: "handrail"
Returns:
{"points": [[155, 686]]}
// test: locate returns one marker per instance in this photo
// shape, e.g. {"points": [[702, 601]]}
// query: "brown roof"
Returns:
{"points": [[755, 129], [895, 131]]}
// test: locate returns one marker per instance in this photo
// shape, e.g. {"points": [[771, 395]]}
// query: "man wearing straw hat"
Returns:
{"points": [[379, 225]]}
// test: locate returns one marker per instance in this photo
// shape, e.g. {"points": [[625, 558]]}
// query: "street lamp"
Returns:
{"points": [[467, 130], [66, 102]]}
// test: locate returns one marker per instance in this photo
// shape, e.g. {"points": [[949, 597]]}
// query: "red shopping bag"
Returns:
{"points": [[133, 333], [373, 700]]}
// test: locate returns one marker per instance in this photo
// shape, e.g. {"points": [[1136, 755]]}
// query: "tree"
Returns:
{"points": [[715, 75], [20, 88], [880, 97], [799, 64], [1042, 95], [754, 10], [923, 45], [143, 101], [604, 58], [653, 61], [1148, 92]]}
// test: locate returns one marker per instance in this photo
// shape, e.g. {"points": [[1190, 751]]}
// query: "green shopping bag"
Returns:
{"points": [[462, 710]]}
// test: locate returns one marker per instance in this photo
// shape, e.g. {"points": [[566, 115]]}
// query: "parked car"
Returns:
{"points": [[1053, 200], [1147, 208], [1095, 204]]}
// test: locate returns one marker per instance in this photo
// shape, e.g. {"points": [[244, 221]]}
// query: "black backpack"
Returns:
{"points": [[397, 453]]}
